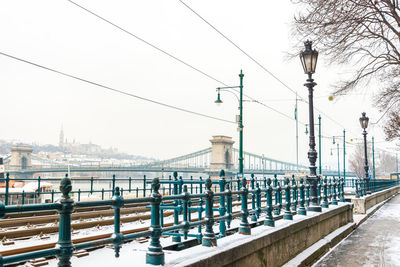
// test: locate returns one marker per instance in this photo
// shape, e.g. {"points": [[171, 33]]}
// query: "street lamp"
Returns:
{"points": [[364, 125], [308, 59], [239, 118]]}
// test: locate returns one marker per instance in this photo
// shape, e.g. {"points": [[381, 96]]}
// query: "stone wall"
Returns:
{"points": [[278, 247], [362, 204]]}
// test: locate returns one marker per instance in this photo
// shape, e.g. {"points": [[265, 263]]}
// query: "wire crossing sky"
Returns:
{"points": [[133, 50]]}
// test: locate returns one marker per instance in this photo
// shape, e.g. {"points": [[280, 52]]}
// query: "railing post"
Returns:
{"points": [[334, 185], [258, 200], [341, 189], [79, 194], [7, 188], [302, 210], [253, 198], [357, 189], [176, 204], [229, 205], [319, 191], [295, 194], [144, 185], [52, 196], [269, 220], [169, 185], [102, 194], [113, 185], [191, 185], [186, 198], [64, 243], [277, 192], [288, 214], [91, 185], [117, 204], [38, 184], [244, 227], [130, 184], [307, 188], [155, 254], [23, 197], [325, 203], [222, 210], [209, 239]]}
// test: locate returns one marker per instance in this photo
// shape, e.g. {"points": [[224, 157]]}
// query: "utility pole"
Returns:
{"points": [[338, 162], [319, 143], [373, 158], [297, 135], [344, 155]]}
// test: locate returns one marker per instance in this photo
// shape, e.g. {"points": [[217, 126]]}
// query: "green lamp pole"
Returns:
{"points": [[373, 158], [241, 124], [319, 143], [240, 119], [344, 155]]}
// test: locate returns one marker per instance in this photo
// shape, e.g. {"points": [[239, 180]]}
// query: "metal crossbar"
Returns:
{"points": [[283, 198]]}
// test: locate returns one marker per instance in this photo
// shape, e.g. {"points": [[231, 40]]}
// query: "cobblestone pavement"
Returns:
{"points": [[376, 242]]}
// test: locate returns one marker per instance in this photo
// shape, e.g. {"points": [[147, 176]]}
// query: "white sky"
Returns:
{"points": [[57, 34]]}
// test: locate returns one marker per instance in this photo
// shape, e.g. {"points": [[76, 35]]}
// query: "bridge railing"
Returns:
{"points": [[272, 192]]}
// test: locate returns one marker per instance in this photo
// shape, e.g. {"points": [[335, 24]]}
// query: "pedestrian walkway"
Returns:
{"points": [[376, 242]]}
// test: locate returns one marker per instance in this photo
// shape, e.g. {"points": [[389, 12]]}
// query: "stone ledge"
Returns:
{"points": [[311, 254], [274, 246], [361, 205]]}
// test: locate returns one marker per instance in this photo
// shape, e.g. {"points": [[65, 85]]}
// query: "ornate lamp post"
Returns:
{"points": [[239, 119], [364, 124], [308, 59]]}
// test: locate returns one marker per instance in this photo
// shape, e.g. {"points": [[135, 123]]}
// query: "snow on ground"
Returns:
{"points": [[376, 242]]}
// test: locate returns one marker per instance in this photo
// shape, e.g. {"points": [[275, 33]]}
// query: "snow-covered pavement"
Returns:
{"points": [[376, 242]]}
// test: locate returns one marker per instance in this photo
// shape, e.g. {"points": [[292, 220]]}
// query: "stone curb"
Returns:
{"points": [[322, 247]]}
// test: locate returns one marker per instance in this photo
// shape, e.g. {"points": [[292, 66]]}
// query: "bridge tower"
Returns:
{"points": [[20, 158], [221, 155]]}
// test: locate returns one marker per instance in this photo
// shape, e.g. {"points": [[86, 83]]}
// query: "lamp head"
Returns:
{"points": [[218, 101], [364, 121], [309, 58]]}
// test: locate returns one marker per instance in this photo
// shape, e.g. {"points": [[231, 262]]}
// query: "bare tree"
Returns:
{"points": [[356, 160], [386, 164], [365, 33]]}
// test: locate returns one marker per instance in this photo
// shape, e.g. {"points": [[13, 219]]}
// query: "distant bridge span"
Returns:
{"points": [[197, 162]]}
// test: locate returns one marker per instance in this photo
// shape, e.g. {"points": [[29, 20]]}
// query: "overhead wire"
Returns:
{"points": [[255, 61], [173, 57], [113, 89]]}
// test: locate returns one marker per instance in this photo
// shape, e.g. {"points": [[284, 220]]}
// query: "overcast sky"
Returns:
{"points": [[59, 35]]}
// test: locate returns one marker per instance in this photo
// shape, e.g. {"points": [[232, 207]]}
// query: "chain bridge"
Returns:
{"points": [[221, 155]]}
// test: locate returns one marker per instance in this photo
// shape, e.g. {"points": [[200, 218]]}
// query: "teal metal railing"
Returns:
{"points": [[291, 197]]}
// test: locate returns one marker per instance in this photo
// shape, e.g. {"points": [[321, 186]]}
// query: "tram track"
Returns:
{"points": [[78, 240]]}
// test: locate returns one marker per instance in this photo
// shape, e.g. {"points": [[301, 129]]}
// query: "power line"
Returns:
{"points": [[148, 43], [113, 89], [255, 61], [173, 57]]}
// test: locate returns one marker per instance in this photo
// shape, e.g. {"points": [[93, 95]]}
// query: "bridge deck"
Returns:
{"points": [[375, 243]]}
